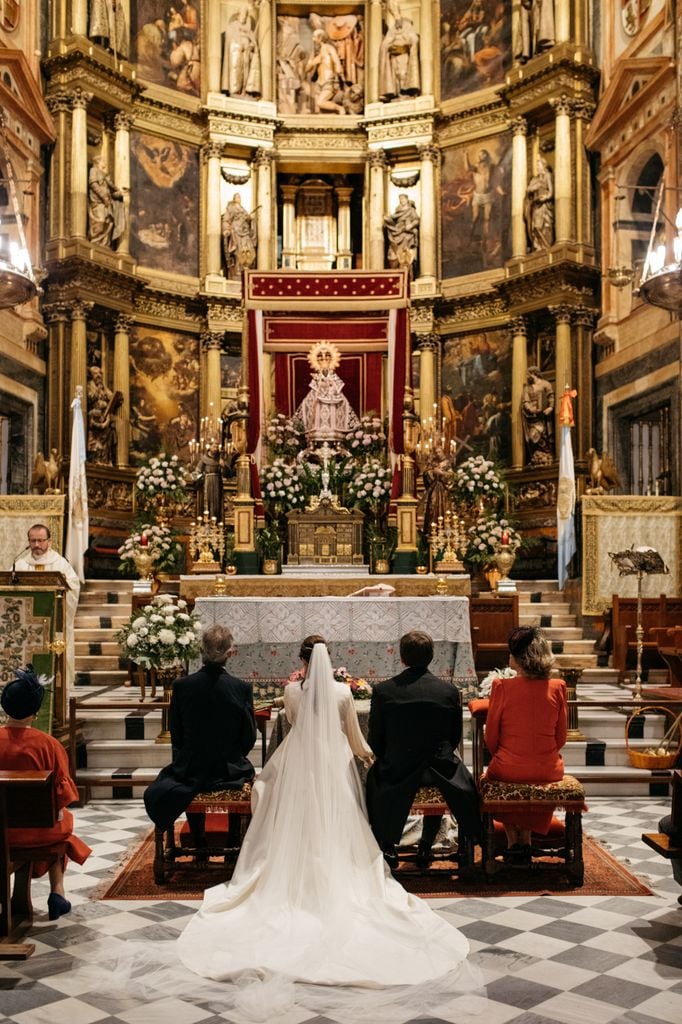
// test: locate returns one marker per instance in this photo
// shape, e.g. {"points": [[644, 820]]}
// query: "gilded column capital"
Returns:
{"points": [[585, 317], [428, 342], [377, 158], [55, 313], [212, 341], [79, 309], [584, 110], [263, 158], [123, 121], [562, 313], [123, 323], [563, 105], [519, 326], [59, 102], [519, 126], [429, 152], [211, 151], [80, 98]]}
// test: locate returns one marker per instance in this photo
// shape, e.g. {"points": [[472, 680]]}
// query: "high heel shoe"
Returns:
{"points": [[56, 906]]}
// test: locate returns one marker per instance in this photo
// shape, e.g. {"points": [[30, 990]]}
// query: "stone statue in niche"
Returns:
{"points": [[399, 74], [324, 72], [108, 26], [539, 207], [537, 410], [533, 29], [106, 210], [325, 412], [402, 232], [291, 62], [320, 64], [238, 228], [241, 69], [103, 403]]}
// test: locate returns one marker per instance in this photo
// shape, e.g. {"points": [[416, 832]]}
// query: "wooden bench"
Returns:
{"points": [[658, 613], [28, 799], [492, 620], [662, 843]]}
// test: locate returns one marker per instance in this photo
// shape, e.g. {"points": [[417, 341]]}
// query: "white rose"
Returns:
{"points": [[139, 621], [132, 640], [166, 636], [155, 618]]}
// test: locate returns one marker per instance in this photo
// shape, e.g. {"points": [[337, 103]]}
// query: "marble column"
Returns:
{"points": [[584, 228], [562, 20], [56, 318], [212, 18], [377, 209], [584, 320], [289, 226], [427, 262], [264, 40], [79, 163], [122, 384], [519, 331], [211, 347], [78, 368], [563, 169], [519, 186], [79, 21], [562, 362], [426, 53], [59, 106], [373, 45], [266, 239], [211, 153], [122, 124], [428, 345], [344, 255]]}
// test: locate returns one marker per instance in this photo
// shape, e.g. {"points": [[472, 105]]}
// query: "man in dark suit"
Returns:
{"points": [[213, 728], [415, 725]]}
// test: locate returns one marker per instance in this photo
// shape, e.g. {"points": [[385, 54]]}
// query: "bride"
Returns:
{"points": [[311, 899]]}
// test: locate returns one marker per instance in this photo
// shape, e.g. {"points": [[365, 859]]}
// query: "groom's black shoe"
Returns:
{"points": [[391, 856], [424, 856]]}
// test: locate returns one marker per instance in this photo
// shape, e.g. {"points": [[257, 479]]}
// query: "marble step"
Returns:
{"points": [[545, 586], [139, 753], [97, 678], [121, 725], [105, 621], [543, 608], [96, 648], [557, 620], [101, 663], [95, 635], [103, 608], [120, 597], [119, 583]]}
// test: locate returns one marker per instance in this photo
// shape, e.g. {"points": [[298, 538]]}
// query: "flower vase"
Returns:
{"points": [[270, 566], [382, 567], [505, 556]]}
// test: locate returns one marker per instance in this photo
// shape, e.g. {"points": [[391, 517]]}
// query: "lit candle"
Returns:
{"points": [[505, 537], [144, 541]]}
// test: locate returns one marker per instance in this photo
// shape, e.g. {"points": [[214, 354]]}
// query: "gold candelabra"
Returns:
{"points": [[210, 437], [206, 539], [447, 535], [434, 436]]}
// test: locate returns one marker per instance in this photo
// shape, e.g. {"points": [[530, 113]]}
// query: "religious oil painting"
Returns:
{"points": [[475, 45], [165, 204], [164, 393], [166, 43], [476, 206], [230, 371], [476, 399]]}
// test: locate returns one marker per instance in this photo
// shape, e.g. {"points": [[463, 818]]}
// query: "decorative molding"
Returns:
{"points": [[124, 323], [211, 151], [376, 158], [428, 342], [395, 131], [59, 102], [123, 121], [79, 309], [263, 158], [212, 341], [518, 325], [167, 308], [80, 98], [429, 152], [562, 313]]}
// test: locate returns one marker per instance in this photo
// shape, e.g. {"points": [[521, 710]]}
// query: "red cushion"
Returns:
{"points": [[215, 828]]}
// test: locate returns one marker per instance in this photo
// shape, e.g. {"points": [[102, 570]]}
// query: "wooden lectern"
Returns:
{"points": [[32, 622]]}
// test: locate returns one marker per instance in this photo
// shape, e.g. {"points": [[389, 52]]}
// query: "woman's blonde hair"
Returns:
{"points": [[532, 651]]}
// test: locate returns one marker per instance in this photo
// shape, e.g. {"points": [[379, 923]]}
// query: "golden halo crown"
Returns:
{"points": [[323, 346]]}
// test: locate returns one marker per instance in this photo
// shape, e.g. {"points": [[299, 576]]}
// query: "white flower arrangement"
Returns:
{"points": [[486, 684], [281, 484], [368, 439], [163, 475], [284, 435], [161, 634], [369, 485], [477, 478], [485, 538], [156, 540]]}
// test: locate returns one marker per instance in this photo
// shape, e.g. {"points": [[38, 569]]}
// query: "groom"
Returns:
{"points": [[415, 725]]}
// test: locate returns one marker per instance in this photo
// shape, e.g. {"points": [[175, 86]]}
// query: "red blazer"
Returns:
{"points": [[526, 729]]}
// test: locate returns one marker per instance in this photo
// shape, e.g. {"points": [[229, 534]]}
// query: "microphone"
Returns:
{"points": [[13, 576]]}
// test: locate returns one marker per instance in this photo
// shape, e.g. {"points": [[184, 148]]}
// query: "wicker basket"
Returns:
{"points": [[654, 762]]}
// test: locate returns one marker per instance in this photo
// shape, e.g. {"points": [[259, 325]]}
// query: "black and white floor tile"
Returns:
{"points": [[566, 959]]}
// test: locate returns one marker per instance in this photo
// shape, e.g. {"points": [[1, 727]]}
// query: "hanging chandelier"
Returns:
{"points": [[661, 280], [17, 282]]}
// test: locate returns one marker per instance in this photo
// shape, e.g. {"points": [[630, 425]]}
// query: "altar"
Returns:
{"points": [[362, 634]]}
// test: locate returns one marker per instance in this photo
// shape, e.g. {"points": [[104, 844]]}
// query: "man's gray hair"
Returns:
{"points": [[216, 644]]}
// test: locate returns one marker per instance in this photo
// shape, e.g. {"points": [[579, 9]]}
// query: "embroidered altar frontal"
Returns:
{"points": [[362, 633]]}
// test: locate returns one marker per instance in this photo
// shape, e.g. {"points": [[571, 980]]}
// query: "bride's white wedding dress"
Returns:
{"points": [[311, 899]]}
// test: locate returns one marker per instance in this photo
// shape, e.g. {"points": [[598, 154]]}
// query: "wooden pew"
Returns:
{"points": [[662, 843], [658, 613], [492, 620], [28, 799], [669, 643]]}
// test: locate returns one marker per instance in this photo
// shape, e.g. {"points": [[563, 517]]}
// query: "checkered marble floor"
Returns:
{"points": [[570, 959]]}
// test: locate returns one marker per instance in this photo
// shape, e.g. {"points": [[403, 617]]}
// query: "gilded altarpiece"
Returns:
{"points": [[475, 45], [166, 43]]}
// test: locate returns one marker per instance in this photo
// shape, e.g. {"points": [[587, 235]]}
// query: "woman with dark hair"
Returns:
{"points": [[525, 731]]}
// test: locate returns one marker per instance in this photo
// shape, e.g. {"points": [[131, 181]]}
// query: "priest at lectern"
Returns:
{"points": [[43, 559]]}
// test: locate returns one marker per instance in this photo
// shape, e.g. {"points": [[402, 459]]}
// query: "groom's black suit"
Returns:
{"points": [[415, 725]]}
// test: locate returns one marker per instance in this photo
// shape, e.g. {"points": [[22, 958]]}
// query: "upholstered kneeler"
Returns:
{"points": [[567, 794], [220, 801]]}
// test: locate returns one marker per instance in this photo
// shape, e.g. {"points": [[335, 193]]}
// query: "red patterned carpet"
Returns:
{"points": [[604, 876]]}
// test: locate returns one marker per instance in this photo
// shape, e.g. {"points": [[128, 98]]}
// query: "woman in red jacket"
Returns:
{"points": [[525, 731]]}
